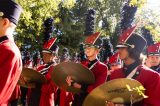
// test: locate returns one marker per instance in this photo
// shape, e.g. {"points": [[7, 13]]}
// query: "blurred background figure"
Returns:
{"points": [[37, 60], [153, 57], [81, 56], [65, 55], [114, 63], [106, 50], [27, 60], [74, 57]]}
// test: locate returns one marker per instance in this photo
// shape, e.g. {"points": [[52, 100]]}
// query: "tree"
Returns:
{"points": [[150, 20], [29, 33], [30, 27]]}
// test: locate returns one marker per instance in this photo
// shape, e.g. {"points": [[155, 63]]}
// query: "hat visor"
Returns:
{"points": [[121, 46], [49, 51], [154, 54], [91, 45], [46, 51]]}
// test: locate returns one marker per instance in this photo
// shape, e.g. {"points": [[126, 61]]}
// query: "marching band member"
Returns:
{"points": [[43, 95], [10, 57], [50, 52], [92, 48], [130, 47], [62, 97], [153, 57]]}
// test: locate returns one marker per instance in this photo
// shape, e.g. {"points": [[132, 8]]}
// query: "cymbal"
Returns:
{"points": [[118, 91], [78, 72], [30, 77]]}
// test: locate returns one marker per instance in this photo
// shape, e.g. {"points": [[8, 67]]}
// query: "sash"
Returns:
{"points": [[45, 70], [92, 65], [135, 72]]}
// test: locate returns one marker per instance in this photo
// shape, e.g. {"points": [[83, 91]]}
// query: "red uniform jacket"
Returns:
{"points": [[100, 73], [65, 98], [48, 89], [151, 82], [16, 93], [10, 68]]}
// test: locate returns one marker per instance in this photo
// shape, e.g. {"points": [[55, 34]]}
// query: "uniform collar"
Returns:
{"points": [[156, 68], [3, 38], [50, 63], [129, 68], [92, 62]]}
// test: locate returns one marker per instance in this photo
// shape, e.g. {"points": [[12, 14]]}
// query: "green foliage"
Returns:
{"points": [[138, 3], [151, 21], [69, 19], [30, 27]]}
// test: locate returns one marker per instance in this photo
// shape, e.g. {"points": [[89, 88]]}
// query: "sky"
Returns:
{"points": [[154, 5]]}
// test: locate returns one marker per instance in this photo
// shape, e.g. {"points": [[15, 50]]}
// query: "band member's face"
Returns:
{"points": [[91, 51], [123, 53], [47, 57], [153, 60], [4, 24], [1, 23], [4, 21]]}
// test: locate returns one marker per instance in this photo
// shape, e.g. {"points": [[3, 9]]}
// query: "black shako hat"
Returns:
{"points": [[11, 10], [132, 40]]}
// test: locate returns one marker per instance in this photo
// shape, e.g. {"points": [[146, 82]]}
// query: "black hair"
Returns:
{"points": [[134, 54]]}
